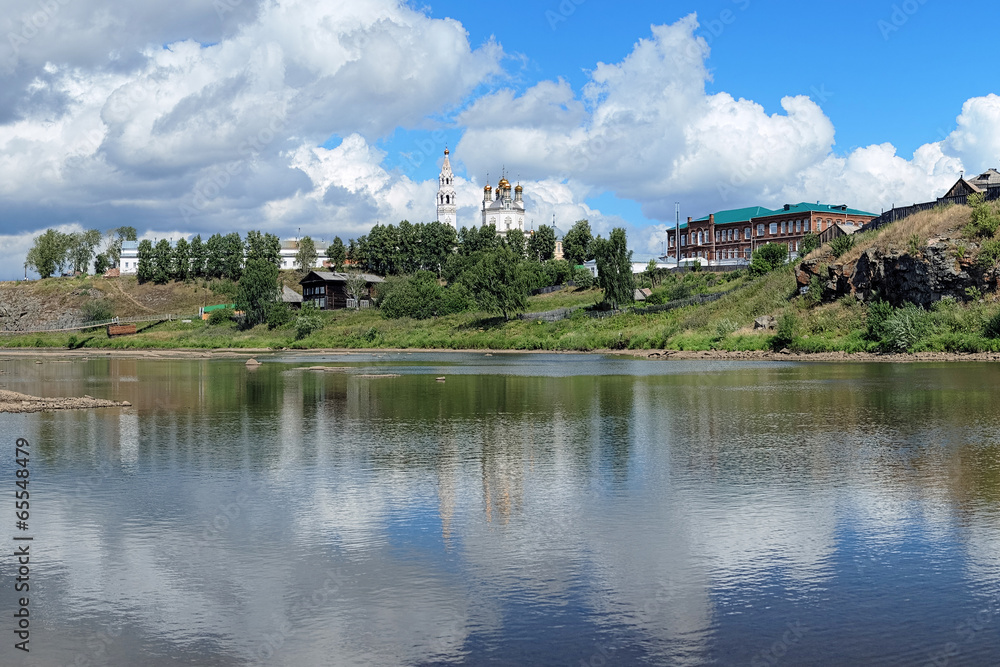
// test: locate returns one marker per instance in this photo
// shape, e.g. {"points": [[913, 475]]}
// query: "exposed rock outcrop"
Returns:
{"points": [[932, 274]]}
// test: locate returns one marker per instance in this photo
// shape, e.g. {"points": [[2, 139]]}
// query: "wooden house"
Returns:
{"points": [[328, 290]]}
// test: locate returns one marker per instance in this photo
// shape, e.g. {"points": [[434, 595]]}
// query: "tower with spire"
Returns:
{"points": [[502, 209], [447, 206]]}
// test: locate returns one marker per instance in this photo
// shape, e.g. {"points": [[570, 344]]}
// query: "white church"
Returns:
{"points": [[504, 211]]}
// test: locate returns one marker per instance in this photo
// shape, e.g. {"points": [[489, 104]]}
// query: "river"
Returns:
{"points": [[526, 510]]}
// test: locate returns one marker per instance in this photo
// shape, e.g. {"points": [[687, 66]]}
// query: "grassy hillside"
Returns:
{"points": [[726, 324]]}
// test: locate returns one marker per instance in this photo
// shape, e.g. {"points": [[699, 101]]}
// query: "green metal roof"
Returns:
{"points": [[756, 212], [739, 215], [803, 207]]}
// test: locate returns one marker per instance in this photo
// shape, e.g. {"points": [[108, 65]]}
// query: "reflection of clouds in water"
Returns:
{"points": [[128, 434]]}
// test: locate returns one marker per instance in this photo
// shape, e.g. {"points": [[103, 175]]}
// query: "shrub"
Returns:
{"points": [[583, 278], [767, 258], [815, 294], [904, 329], [724, 327], [71, 343], [985, 220], [841, 244], [278, 315], [914, 244], [989, 253], [221, 316], [98, 310], [785, 333], [992, 328], [809, 243], [878, 312], [308, 321]]}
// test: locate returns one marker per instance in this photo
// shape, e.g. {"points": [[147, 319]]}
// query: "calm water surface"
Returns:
{"points": [[531, 509]]}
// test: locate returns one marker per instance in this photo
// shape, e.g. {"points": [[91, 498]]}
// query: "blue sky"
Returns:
{"points": [[182, 117]]}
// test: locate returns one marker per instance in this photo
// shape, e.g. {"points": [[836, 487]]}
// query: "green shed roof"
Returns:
{"points": [[739, 215], [803, 207]]}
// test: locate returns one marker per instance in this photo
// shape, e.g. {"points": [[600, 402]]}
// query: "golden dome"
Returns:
{"points": [[518, 188], [488, 188], [504, 183], [446, 151]]}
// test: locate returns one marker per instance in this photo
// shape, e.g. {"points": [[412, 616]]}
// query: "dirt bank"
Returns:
{"points": [[11, 401], [653, 355]]}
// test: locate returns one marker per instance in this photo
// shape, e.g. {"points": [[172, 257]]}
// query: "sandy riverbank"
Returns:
{"points": [[652, 355]]}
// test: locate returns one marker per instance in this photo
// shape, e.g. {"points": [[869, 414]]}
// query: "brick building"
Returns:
{"points": [[730, 237]]}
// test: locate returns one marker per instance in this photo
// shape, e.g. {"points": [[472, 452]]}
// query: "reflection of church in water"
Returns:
{"points": [[503, 208]]}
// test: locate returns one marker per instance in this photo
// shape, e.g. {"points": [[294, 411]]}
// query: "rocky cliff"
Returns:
{"points": [[933, 272]]}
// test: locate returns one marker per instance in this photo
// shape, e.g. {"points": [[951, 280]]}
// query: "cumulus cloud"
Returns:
{"points": [[213, 120], [200, 127], [649, 131]]}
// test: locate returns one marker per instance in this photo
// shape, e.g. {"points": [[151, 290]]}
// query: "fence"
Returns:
{"points": [[896, 214], [565, 313], [103, 323]]}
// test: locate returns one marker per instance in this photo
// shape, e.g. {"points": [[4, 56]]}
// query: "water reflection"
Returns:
{"points": [[565, 510]]}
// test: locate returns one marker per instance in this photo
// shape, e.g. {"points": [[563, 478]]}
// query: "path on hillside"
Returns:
{"points": [[130, 297]]}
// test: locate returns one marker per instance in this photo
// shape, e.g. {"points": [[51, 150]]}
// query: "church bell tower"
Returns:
{"points": [[447, 207]]}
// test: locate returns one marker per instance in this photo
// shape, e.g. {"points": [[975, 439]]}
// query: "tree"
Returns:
{"points": [[81, 249], [101, 264], [516, 242], [197, 252], [614, 268], [232, 256], [767, 258], [542, 244], [163, 259], [306, 257], [144, 268], [576, 243], [113, 242], [357, 285], [181, 264], [215, 256], [258, 290], [651, 271], [337, 254], [497, 284], [48, 254], [263, 246], [437, 244], [809, 243]]}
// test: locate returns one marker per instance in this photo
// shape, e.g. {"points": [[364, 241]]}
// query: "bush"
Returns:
{"points": [[992, 329], [421, 297], [278, 315], [724, 327], [904, 329], [558, 271], [71, 343], [989, 254], [785, 333], [841, 244], [815, 294], [308, 321], [809, 243], [878, 313], [221, 316], [985, 220], [583, 278], [98, 310], [767, 258]]}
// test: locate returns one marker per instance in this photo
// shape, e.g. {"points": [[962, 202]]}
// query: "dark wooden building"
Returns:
{"points": [[328, 291]]}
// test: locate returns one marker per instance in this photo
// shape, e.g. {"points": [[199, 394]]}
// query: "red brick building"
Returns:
{"points": [[730, 237]]}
